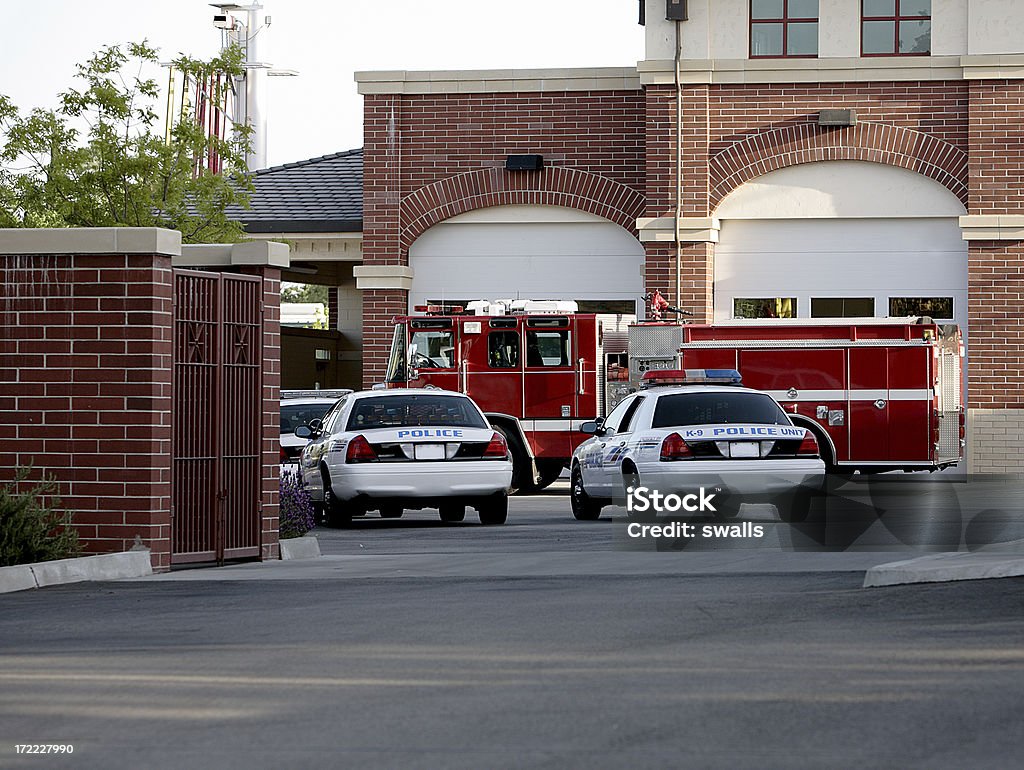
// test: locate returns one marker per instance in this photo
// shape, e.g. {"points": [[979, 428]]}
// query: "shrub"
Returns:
{"points": [[31, 527], [297, 517]]}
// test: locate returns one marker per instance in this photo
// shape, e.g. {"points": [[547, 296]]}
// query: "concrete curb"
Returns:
{"points": [[107, 566], [307, 547], [946, 567]]}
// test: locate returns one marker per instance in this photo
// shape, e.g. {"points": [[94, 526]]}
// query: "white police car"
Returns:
{"points": [[691, 429], [389, 450], [301, 407]]}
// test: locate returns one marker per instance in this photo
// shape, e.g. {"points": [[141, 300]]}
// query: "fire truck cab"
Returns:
{"points": [[538, 370]]}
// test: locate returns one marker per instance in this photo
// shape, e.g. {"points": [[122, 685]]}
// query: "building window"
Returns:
{"points": [[934, 307], [764, 307], [896, 27], [842, 307], [783, 28]]}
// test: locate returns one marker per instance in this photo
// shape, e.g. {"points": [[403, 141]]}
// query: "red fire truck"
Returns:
{"points": [[878, 395]]}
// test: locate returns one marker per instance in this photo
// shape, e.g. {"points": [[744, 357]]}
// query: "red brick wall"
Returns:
{"points": [[996, 360], [997, 147], [380, 306], [85, 390]]}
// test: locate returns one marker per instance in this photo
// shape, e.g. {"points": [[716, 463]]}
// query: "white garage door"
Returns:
{"points": [[841, 237], [884, 265], [535, 252]]}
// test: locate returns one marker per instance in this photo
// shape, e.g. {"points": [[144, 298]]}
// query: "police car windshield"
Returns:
{"points": [[717, 409], [294, 415], [413, 411]]}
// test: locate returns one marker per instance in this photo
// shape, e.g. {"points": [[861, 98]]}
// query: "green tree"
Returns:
{"points": [[98, 160]]}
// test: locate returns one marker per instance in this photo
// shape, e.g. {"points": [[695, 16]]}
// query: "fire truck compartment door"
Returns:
{"points": [[869, 404]]}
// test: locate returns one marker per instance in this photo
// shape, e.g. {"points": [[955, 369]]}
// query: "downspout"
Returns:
{"points": [[679, 162]]}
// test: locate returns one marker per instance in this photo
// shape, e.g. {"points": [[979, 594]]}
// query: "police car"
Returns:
{"points": [[301, 407], [391, 450], [687, 430]]}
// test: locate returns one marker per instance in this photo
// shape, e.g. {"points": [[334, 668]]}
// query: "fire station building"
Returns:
{"points": [[767, 159]]}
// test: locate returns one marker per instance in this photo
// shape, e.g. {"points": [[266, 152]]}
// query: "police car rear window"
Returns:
{"points": [[413, 411], [717, 409]]}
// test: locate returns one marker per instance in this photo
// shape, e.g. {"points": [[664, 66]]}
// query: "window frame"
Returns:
{"points": [[794, 300], [896, 19], [785, 21]]}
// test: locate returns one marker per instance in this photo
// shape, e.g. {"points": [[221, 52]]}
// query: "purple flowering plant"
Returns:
{"points": [[297, 514]]}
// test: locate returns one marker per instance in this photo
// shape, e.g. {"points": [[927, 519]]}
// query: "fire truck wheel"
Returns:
{"points": [[452, 513], [549, 471], [391, 512], [584, 507], [494, 510], [336, 513]]}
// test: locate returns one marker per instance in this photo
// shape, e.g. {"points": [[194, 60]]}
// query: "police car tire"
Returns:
{"points": [[630, 478], [452, 513], [336, 513], [494, 510], [391, 512], [584, 507]]}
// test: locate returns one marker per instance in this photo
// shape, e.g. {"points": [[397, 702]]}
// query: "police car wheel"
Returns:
{"points": [[391, 512], [336, 513], [631, 480], [494, 510], [584, 507], [452, 513]]}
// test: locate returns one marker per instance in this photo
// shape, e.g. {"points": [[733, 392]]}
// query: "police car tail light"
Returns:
{"points": [[674, 448], [360, 451], [808, 447], [497, 449]]}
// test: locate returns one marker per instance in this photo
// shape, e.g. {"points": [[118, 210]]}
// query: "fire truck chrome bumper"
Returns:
{"points": [[736, 476], [437, 479]]}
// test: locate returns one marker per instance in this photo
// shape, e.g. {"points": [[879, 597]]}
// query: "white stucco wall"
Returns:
{"points": [[719, 29]]}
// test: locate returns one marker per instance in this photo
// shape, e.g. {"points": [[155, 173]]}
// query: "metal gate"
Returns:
{"points": [[217, 417]]}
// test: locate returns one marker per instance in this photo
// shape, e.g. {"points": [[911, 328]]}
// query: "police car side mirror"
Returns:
{"points": [[303, 431], [590, 428]]}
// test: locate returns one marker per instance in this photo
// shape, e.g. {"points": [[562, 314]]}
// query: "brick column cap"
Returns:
{"points": [[691, 229], [265, 253], [992, 227], [383, 277], [90, 240]]}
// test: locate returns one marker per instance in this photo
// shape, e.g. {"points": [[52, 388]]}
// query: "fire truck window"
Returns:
{"points": [[547, 348], [935, 307], [431, 349], [503, 350], [764, 307], [396, 362], [842, 307], [717, 409]]}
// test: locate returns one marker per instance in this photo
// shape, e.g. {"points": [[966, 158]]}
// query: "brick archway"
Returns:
{"points": [[760, 153], [552, 186]]}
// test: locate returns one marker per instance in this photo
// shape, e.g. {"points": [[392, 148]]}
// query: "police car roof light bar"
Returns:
{"points": [[665, 377]]}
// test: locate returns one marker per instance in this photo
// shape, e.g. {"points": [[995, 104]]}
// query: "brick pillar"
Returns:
{"points": [[697, 229], [380, 306], [271, 358], [994, 231], [85, 376]]}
